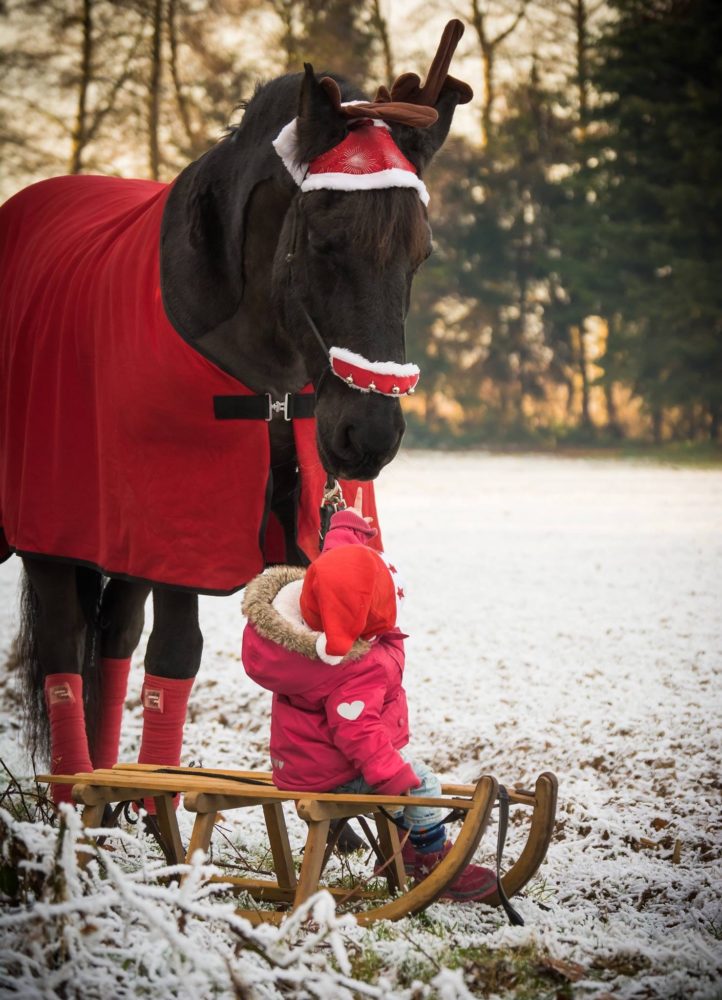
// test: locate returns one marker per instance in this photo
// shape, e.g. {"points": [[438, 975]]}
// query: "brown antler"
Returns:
{"points": [[408, 103], [406, 88], [391, 111]]}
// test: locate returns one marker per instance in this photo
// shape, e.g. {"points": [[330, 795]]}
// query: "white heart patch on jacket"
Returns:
{"points": [[350, 710]]}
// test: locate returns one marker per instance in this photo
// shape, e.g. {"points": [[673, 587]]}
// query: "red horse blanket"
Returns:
{"points": [[110, 453]]}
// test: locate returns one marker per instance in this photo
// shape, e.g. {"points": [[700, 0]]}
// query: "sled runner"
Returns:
{"points": [[207, 792]]}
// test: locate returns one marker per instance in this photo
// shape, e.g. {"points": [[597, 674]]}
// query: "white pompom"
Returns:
{"points": [[321, 651]]}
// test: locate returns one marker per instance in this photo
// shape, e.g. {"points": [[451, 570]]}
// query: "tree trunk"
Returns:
{"points": [[86, 70], [382, 29], [577, 339], [154, 83], [488, 47], [488, 96], [715, 421], [586, 418], [180, 97], [657, 423], [614, 428], [284, 9], [580, 22]]}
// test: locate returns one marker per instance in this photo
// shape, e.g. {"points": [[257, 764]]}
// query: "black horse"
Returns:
{"points": [[261, 279]]}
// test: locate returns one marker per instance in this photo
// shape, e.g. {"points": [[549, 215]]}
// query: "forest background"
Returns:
{"points": [[575, 292]]}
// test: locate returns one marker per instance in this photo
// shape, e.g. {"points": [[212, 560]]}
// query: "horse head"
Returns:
{"points": [[290, 240], [354, 236]]}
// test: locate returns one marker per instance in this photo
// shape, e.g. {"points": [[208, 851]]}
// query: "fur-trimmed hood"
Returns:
{"points": [[281, 622]]}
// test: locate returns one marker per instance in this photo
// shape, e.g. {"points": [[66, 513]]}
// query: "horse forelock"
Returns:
{"points": [[389, 220], [381, 224]]}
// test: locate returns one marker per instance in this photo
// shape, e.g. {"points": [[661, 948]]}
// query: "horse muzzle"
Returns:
{"points": [[357, 433]]}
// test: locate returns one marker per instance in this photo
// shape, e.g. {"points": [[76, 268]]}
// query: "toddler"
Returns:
{"points": [[325, 641]]}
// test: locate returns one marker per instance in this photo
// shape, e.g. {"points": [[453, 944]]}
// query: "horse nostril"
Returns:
{"points": [[352, 440], [364, 441]]}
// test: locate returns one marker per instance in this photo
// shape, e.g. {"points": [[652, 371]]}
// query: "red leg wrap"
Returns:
{"points": [[113, 687], [164, 715], [68, 741]]}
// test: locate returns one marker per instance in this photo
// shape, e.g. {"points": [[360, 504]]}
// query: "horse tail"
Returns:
{"points": [[35, 721], [36, 727]]}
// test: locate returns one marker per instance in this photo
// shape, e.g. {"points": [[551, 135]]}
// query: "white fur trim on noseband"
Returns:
{"points": [[323, 655], [377, 367]]}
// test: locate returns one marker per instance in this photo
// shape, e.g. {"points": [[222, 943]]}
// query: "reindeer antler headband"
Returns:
{"points": [[408, 103], [367, 157]]}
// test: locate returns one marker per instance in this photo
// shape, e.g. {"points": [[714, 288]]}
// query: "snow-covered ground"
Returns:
{"points": [[564, 614]]}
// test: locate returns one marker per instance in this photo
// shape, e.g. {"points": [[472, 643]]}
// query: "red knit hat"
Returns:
{"points": [[348, 593]]}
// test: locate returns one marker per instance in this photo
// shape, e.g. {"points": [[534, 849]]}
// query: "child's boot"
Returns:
{"points": [[427, 848], [472, 885]]}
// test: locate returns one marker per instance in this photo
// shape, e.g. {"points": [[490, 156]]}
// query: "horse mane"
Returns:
{"points": [[274, 103]]}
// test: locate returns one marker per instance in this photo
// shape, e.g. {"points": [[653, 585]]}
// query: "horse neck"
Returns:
{"points": [[220, 233]]}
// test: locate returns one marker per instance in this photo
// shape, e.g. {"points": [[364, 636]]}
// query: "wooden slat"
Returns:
{"points": [[311, 811], [264, 776], [266, 890], [120, 780], [517, 796], [280, 846], [203, 802], [394, 872], [201, 834], [313, 857], [256, 917], [168, 825]]}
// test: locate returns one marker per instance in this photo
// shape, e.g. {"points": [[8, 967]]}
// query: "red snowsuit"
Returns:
{"points": [[329, 724]]}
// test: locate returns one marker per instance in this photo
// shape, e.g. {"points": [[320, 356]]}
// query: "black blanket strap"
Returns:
{"points": [[515, 918], [291, 406], [199, 772]]}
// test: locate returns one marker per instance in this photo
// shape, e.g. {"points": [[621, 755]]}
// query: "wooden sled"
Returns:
{"points": [[207, 792]]}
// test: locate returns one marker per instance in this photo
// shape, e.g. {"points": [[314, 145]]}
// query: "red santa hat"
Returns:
{"points": [[348, 594], [366, 159]]}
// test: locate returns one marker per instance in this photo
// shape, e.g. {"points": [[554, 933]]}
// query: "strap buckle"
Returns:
{"points": [[276, 406]]}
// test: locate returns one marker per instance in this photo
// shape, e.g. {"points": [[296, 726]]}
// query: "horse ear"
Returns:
{"points": [[420, 145], [320, 126]]}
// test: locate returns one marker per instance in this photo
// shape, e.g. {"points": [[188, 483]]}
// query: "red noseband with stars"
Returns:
{"points": [[385, 377]]}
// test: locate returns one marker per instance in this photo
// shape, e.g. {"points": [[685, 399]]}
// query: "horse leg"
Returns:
{"points": [[121, 623], [59, 635], [285, 487], [172, 660]]}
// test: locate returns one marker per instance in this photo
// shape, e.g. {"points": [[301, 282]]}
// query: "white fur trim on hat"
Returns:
{"points": [[394, 177], [286, 145], [322, 654]]}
